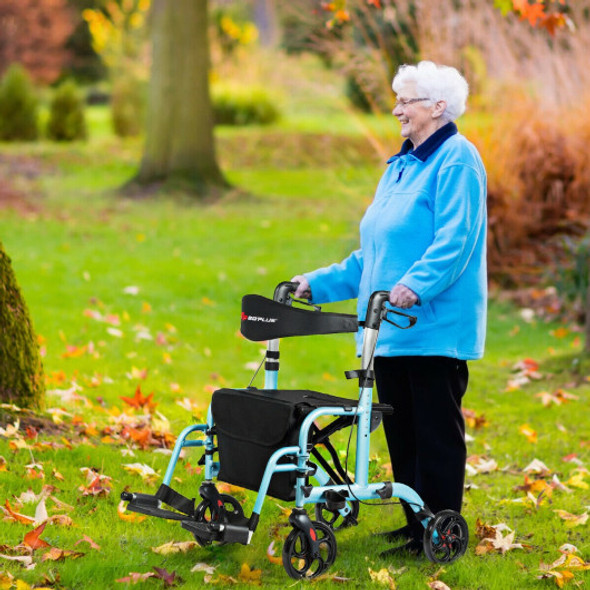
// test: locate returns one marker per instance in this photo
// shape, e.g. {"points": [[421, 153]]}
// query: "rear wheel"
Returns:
{"points": [[446, 537]]}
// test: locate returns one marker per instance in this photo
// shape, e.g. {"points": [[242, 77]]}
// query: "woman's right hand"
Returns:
{"points": [[303, 289]]}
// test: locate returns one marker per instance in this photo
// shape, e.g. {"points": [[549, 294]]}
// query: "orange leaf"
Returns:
{"points": [[532, 12], [139, 401], [33, 540], [18, 517], [56, 554], [87, 539], [123, 515], [270, 555]]}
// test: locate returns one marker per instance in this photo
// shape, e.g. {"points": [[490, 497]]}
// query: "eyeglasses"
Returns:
{"points": [[406, 101]]}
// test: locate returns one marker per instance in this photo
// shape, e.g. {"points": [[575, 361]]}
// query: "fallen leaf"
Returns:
{"points": [[169, 578], [175, 547], [203, 567], [250, 576], [146, 472], [270, 554], [87, 539], [41, 512], [473, 420], [33, 540], [61, 520], [26, 560], [531, 435], [17, 516], [572, 520], [383, 577], [504, 543], [577, 480], [438, 585], [56, 554], [139, 401], [135, 577], [537, 467], [128, 516]]}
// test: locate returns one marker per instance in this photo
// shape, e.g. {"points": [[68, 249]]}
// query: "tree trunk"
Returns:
{"points": [[265, 16], [179, 134], [21, 371]]}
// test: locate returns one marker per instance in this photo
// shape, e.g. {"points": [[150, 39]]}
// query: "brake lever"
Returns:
{"points": [[412, 319], [306, 303]]}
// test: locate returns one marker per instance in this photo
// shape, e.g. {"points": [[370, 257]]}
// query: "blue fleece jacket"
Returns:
{"points": [[425, 229]]}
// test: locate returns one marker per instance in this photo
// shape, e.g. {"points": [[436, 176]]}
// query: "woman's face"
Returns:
{"points": [[415, 113]]}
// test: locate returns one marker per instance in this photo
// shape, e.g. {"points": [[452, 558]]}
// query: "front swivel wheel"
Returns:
{"points": [[299, 559], [446, 537], [228, 509]]}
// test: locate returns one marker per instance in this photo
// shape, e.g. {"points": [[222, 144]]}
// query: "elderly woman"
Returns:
{"points": [[423, 239]]}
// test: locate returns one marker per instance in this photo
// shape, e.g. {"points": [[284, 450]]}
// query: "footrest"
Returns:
{"points": [[150, 505], [222, 533]]}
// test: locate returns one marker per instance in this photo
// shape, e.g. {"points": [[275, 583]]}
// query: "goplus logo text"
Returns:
{"points": [[255, 318]]}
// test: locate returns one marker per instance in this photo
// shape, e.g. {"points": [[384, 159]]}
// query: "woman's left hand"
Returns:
{"points": [[402, 297]]}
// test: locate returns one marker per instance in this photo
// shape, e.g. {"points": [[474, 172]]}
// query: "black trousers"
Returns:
{"points": [[426, 432]]}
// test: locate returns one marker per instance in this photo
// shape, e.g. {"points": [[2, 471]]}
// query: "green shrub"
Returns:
{"points": [[570, 271], [238, 105], [18, 106], [67, 121], [127, 107]]}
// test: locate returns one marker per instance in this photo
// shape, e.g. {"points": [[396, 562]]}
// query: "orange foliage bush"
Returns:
{"points": [[538, 184]]}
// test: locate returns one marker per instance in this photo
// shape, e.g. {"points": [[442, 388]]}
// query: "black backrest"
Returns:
{"points": [[265, 319]]}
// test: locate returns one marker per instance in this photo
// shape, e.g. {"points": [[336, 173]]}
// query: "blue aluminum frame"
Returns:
{"points": [[361, 489]]}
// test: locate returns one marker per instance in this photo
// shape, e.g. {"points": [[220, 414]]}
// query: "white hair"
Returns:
{"points": [[435, 82]]}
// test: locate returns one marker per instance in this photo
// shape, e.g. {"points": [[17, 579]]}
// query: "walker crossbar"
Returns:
{"points": [[269, 441]]}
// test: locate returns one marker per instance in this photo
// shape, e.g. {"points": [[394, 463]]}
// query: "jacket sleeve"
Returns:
{"points": [[459, 220], [337, 282]]}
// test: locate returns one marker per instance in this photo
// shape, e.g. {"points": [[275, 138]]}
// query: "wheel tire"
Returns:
{"points": [[331, 517], [298, 559], [446, 537]]}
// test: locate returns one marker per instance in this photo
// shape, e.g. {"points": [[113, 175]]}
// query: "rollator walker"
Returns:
{"points": [[267, 440]]}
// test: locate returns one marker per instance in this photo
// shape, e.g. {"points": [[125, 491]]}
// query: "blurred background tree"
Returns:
{"points": [[179, 143]]}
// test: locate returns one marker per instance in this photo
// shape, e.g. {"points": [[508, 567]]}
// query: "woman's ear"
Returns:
{"points": [[440, 106]]}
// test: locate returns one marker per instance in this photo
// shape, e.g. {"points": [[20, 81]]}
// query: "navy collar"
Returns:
{"points": [[426, 149]]}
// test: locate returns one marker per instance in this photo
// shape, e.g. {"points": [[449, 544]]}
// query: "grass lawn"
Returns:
{"points": [[146, 293]]}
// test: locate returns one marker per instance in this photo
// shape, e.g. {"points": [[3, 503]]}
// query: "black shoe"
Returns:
{"points": [[412, 547], [404, 532]]}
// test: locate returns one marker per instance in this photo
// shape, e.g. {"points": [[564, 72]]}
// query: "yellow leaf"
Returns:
{"points": [[577, 481], [530, 434], [6, 580], [250, 576], [144, 471], [172, 547], [572, 520], [383, 577]]}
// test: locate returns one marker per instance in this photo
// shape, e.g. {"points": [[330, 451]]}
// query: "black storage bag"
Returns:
{"points": [[252, 424]]}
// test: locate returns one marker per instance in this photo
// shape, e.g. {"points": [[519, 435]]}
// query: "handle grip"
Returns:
{"points": [[283, 290]]}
